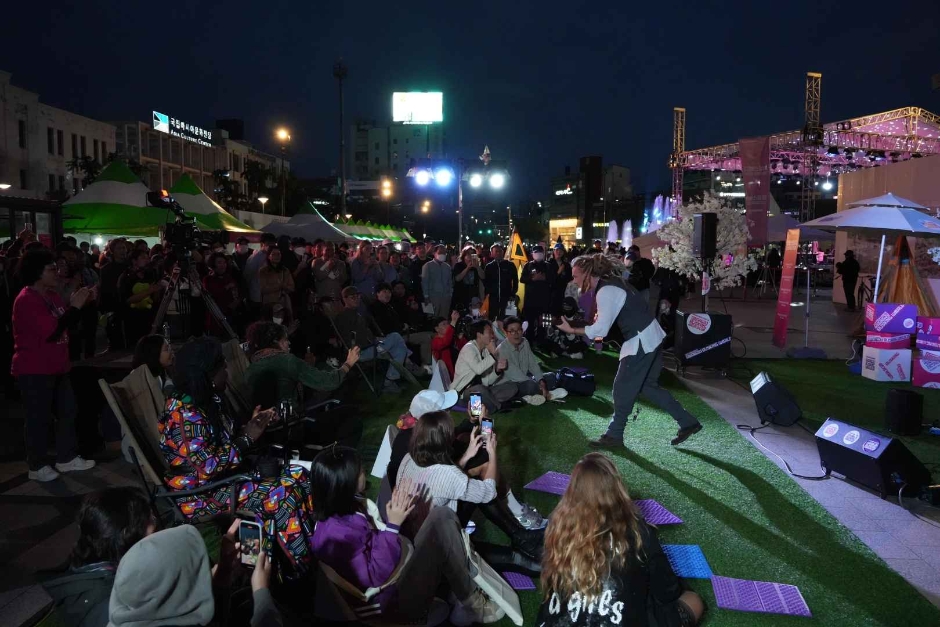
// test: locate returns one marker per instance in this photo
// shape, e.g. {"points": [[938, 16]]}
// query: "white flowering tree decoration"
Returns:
{"points": [[935, 253], [732, 244]]}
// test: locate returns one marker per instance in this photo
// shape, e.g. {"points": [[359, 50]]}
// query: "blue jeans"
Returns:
{"points": [[392, 345], [43, 396]]}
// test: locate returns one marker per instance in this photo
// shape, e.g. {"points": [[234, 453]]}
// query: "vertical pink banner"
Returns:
{"points": [[782, 319], [755, 164]]}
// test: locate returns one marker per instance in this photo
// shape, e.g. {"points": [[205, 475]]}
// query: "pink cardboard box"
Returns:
{"points": [[925, 373], [886, 364], [927, 342], [890, 317], [887, 340], [934, 355], [928, 326]]}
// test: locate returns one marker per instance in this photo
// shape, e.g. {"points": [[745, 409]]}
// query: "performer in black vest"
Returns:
{"points": [[640, 355]]}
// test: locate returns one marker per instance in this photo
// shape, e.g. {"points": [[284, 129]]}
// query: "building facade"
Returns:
{"points": [[380, 151], [37, 141]]}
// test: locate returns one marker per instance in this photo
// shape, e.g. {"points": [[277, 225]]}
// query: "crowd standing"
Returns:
{"points": [[312, 314]]}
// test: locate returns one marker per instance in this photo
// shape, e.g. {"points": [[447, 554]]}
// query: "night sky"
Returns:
{"points": [[541, 83]]}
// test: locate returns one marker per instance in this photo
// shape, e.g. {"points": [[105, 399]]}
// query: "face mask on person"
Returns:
{"points": [[475, 313], [538, 256], [442, 257], [278, 320]]}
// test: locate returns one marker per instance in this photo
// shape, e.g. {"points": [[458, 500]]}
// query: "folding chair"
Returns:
{"points": [[137, 402]]}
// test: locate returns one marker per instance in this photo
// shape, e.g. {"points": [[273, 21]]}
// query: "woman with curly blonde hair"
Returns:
{"points": [[603, 564]]}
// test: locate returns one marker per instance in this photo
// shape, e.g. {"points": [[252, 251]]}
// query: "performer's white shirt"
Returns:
{"points": [[610, 301]]}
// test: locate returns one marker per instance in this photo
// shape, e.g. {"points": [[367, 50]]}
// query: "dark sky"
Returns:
{"points": [[541, 83]]}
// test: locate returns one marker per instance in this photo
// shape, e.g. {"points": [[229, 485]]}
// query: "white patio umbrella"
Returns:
{"points": [[881, 215]]}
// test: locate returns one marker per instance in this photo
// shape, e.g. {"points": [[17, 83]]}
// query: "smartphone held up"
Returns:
{"points": [[249, 539]]}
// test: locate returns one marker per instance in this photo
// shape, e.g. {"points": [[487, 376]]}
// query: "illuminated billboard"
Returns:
{"points": [[418, 107]]}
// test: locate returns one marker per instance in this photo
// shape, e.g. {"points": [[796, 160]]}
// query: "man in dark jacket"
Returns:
{"points": [[415, 267], [539, 279], [849, 270], [500, 282], [562, 277]]}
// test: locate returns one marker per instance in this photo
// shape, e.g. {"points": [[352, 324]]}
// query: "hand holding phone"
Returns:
{"points": [[476, 405], [249, 540], [486, 429]]}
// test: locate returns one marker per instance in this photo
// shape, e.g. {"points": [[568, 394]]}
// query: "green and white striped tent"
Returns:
{"points": [[208, 213], [114, 205]]}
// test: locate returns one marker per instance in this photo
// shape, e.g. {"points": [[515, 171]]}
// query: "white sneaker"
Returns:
{"points": [[46, 473], [558, 393], [534, 399], [576, 355], [77, 464], [531, 519], [477, 609]]}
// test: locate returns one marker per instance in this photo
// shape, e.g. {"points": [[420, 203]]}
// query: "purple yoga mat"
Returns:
{"points": [[745, 595], [656, 514], [551, 482], [518, 581]]}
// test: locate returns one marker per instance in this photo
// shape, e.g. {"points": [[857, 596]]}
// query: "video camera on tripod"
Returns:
{"points": [[183, 235]]}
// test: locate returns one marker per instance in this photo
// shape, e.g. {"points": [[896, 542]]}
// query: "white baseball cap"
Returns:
{"points": [[427, 401]]}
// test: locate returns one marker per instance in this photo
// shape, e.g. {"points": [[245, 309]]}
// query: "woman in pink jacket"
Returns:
{"points": [[41, 364]]}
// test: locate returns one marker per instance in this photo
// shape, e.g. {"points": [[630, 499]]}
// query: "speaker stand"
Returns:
{"points": [[806, 351]]}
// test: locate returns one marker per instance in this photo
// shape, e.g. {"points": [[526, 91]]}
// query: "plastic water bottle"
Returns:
{"points": [[598, 345]]}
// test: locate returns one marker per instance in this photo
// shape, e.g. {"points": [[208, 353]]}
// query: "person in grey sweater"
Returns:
{"points": [[166, 580], [522, 368], [437, 283]]}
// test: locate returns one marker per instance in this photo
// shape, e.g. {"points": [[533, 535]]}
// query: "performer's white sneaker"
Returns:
{"points": [[558, 393]]}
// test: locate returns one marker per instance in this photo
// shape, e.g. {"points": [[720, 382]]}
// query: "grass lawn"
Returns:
{"points": [[826, 389], [751, 520]]}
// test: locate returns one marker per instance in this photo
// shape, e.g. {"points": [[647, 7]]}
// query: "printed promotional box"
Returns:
{"points": [[886, 364], [890, 317], [927, 342], [928, 326], [928, 354], [887, 340], [925, 373]]}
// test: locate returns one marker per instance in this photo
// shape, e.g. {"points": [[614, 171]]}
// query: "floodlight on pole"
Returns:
{"points": [[443, 177], [476, 180], [497, 180], [422, 177]]}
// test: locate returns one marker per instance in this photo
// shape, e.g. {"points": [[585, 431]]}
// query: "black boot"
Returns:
{"points": [[504, 558], [529, 542]]}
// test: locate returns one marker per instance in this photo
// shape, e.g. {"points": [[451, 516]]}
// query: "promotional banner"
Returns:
{"points": [[755, 164], [786, 289]]}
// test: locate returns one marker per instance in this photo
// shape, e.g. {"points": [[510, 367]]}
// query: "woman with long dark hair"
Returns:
{"points": [[41, 364], [110, 522], [155, 352], [603, 563], [430, 462], [201, 444], [351, 538]]}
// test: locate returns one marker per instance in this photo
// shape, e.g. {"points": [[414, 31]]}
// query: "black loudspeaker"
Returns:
{"points": [[703, 339], [877, 461], [774, 403], [904, 412], [704, 235]]}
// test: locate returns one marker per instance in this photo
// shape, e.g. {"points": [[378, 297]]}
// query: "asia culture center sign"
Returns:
{"points": [[177, 128]]}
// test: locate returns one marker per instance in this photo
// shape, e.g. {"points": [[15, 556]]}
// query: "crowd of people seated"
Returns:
{"points": [[311, 317]]}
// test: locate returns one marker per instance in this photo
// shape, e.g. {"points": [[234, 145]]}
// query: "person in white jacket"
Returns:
{"points": [[479, 367]]}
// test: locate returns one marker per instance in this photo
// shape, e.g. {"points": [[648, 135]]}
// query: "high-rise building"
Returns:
{"points": [[377, 151], [37, 141]]}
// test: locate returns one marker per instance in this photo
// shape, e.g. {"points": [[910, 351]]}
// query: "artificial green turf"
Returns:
{"points": [[751, 520], [826, 389]]}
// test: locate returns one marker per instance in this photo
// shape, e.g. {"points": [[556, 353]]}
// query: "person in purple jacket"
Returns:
{"points": [[350, 538]]}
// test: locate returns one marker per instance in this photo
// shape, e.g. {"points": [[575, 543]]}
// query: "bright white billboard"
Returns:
{"points": [[418, 107]]}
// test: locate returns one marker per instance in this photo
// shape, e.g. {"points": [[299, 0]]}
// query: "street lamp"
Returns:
{"points": [[387, 195], [283, 136], [262, 200], [340, 72], [426, 206]]}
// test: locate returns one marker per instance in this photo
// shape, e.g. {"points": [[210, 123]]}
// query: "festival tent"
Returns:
{"points": [[209, 214], [310, 225], [114, 205], [778, 225]]}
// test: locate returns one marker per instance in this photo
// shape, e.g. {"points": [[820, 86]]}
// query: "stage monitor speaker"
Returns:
{"points": [[703, 339], [704, 235], [877, 461], [774, 403], [904, 411]]}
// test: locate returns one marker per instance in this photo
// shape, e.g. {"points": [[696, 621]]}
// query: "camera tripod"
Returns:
{"points": [[190, 273], [766, 277]]}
